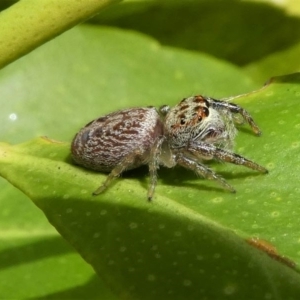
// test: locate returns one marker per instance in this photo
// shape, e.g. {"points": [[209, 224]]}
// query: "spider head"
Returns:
{"points": [[194, 120]]}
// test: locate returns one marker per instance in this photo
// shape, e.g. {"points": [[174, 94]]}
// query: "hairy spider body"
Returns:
{"points": [[105, 142], [198, 128]]}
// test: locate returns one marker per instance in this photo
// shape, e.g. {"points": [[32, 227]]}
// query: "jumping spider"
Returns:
{"points": [[198, 128]]}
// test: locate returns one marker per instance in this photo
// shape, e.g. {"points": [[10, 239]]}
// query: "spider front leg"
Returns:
{"points": [[209, 151], [236, 109], [202, 151], [202, 170]]}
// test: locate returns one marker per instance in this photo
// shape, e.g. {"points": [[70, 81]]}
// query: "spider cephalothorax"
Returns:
{"points": [[193, 119]]}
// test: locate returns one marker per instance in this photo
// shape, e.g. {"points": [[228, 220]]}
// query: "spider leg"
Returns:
{"points": [[127, 162], [153, 166], [209, 151], [202, 170], [236, 109]]}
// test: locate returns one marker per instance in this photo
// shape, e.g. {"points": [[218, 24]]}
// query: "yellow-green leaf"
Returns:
{"points": [[182, 245]]}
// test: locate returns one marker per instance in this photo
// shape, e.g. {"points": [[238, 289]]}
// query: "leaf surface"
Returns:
{"points": [[182, 243]]}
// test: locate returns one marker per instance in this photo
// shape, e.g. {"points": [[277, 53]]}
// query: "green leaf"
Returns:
{"points": [[179, 246]]}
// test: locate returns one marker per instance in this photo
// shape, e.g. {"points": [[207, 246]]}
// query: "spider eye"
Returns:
{"points": [[182, 121], [206, 111]]}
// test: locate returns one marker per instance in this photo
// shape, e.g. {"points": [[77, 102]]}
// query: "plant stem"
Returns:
{"points": [[30, 23]]}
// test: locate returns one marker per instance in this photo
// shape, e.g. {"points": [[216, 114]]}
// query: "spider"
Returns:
{"points": [[196, 129]]}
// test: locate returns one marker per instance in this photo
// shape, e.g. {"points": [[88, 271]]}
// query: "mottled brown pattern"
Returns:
{"points": [[183, 107], [123, 132], [198, 99]]}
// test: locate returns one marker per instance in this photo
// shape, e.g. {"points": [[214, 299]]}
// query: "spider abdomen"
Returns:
{"points": [[104, 143]]}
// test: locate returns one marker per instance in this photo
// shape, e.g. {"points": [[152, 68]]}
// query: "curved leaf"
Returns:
{"points": [[218, 29], [179, 246]]}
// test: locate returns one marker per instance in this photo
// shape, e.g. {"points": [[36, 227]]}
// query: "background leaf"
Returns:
{"points": [[168, 247], [217, 28], [277, 63]]}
